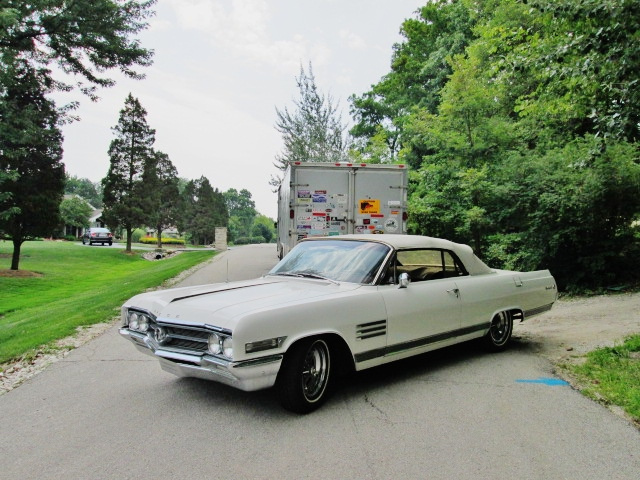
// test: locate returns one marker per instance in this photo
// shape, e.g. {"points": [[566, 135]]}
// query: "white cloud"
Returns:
{"points": [[353, 40], [242, 27]]}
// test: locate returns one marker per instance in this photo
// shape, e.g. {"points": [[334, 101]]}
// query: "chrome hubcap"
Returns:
{"points": [[315, 370]]}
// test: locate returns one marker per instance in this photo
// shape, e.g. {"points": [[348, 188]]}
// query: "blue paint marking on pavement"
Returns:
{"points": [[551, 382]]}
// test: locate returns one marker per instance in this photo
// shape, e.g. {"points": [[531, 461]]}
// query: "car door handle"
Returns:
{"points": [[456, 291]]}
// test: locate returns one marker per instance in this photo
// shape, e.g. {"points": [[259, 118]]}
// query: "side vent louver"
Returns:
{"points": [[371, 329]]}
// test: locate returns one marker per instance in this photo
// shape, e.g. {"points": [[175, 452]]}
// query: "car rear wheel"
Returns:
{"points": [[499, 334], [303, 381]]}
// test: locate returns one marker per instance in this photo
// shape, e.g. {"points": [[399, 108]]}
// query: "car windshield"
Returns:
{"points": [[337, 260]]}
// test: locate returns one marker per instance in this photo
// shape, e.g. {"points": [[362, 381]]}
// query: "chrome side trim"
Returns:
{"points": [[420, 342]]}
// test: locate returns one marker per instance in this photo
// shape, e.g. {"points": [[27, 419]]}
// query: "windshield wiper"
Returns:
{"points": [[287, 274], [306, 275]]}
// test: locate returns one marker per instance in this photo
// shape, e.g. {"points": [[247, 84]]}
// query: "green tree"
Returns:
{"points": [[419, 70], [263, 226], [30, 157], [584, 64], [242, 212], [85, 188], [76, 212], [532, 154], [84, 39], [160, 197], [6, 195], [314, 131], [203, 209], [129, 152]]}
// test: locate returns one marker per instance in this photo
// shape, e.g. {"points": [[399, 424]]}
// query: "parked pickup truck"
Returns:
{"points": [[334, 305]]}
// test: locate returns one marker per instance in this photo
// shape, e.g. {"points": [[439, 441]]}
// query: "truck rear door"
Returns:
{"points": [[380, 197]]}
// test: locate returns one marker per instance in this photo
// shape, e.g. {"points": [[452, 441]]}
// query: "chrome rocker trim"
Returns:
{"points": [[247, 375]]}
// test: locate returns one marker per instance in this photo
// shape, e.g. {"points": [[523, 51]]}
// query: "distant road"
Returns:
{"points": [[107, 411]]}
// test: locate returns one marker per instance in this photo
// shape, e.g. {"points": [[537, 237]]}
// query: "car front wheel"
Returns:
{"points": [[499, 332], [304, 377]]}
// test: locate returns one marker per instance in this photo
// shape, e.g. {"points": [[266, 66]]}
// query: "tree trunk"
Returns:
{"points": [[159, 235], [15, 259], [129, 233]]}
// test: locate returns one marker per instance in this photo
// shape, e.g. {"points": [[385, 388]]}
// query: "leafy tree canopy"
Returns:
{"points": [[82, 38], [85, 188], [528, 147], [75, 211], [203, 209], [419, 69], [30, 157], [314, 131]]}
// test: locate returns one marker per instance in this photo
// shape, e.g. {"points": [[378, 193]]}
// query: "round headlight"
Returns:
{"points": [[227, 347], [215, 346], [133, 321], [143, 323]]}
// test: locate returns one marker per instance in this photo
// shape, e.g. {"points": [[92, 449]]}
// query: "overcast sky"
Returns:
{"points": [[221, 67]]}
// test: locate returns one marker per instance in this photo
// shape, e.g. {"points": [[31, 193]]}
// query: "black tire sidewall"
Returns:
{"points": [[289, 381], [490, 342]]}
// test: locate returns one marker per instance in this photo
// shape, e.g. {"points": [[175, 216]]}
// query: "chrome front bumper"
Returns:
{"points": [[247, 375]]}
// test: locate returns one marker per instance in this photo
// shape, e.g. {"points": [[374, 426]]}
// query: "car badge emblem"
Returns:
{"points": [[161, 335]]}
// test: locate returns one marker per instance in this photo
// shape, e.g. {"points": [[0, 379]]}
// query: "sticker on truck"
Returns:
{"points": [[369, 206]]}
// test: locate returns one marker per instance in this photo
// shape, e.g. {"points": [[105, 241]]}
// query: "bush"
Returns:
{"points": [[165, 241], [249, 240], [137, 235]]}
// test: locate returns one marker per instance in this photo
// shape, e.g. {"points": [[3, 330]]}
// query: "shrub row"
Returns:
{"points": [[247, 240], [165, 241]]}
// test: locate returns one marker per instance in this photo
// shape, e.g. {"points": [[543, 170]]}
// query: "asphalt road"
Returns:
{"points": [[107, 411]]}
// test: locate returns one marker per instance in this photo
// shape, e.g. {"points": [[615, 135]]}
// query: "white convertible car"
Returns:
{"points": [[334, 305]]}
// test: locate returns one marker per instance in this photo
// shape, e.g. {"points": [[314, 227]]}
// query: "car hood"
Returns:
{"points": [[222, 304]]}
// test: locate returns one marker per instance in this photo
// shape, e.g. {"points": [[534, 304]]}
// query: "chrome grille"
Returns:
{"points": [[192, 339]]}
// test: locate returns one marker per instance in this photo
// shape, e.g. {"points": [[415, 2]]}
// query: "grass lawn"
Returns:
{"points": [[612, 375], [72, 286]]}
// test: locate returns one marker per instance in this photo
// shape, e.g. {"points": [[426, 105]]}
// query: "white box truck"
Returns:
{"points": [[325, 199]]}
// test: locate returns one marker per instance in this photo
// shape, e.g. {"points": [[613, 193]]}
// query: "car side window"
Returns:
{"points": [[425, 264]]}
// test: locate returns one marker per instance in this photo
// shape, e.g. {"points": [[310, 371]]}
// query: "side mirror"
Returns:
{"points": [[404, 280]]}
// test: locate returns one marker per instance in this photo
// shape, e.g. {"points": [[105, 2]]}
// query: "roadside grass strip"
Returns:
{"points": [[611, 375], [76, 286]]}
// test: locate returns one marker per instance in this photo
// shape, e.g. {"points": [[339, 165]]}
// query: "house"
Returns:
{"points": [[95, 220]]}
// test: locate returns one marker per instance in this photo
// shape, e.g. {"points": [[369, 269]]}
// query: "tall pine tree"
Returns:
{"points": [[124, 191], [203, 209], [160, 180]]}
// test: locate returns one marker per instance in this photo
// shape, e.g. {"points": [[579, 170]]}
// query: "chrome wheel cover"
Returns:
{"points": [[315, 371], [499, 330]]}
